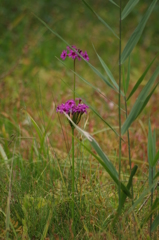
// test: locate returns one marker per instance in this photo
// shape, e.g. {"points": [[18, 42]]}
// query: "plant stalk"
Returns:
{"points": [[119, 103], [73, 196]]}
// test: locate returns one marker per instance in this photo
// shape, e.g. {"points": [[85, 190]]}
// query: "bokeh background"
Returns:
{"points": [[32, 78]]}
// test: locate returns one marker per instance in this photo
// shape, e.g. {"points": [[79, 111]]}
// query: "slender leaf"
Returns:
{"points": [[100, 19], [114, 3], [105, 162], [157, 175], [128, 76], [155, 223], [155, 159], [128, 8], [129, 185], [139, 102], [102, 119], [146, 100], [137, 33], [141, 79], [110, 75]]}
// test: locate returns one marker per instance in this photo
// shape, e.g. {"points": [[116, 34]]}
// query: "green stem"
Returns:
{"points": [[119, 99], [73, 179], [74, 82], [151, 200], [128, 137]]}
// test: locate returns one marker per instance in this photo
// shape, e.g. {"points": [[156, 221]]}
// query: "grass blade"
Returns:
{"points": [[128, 77], [147, 99], [155, 223], [128, 8], [141, 79], [107, 70], [114, 3], [107, 26], [137, 33], [155, 159], [123, 195], [139, 102]]}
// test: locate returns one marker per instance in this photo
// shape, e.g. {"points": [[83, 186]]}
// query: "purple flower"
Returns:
{"points": [[85, 56], [76, 111], [70, 103], [72, 54], [64, 54]]}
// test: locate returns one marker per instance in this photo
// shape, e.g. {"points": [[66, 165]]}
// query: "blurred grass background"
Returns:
{"points": [[33, 79]]}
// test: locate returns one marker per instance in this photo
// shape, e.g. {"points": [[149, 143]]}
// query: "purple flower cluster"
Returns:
{"points": [[73, 110], [74, 53]]}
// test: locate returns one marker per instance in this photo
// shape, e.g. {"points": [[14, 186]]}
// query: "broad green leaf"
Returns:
{"points": [[155, 223], [110, 75], [100, 19], [114, 3], [103, 160], [137, 33], [128, 76], [128, 8], [139, 102], [156, 159], [141, 79]]}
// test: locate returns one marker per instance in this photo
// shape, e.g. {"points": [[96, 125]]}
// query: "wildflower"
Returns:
{"points": [[85, 56], [73, 110], [64, 54], [73, 53]]}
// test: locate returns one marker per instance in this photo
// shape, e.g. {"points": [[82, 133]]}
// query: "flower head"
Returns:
{"points": [[73, 110], [73, 53]]}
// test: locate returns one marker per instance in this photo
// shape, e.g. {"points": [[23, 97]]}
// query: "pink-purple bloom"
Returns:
{"points": [[64, 54], [72, 109], [74, 53]]}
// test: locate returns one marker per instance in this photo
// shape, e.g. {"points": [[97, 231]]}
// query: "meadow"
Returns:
{"points": [[78, 172]]}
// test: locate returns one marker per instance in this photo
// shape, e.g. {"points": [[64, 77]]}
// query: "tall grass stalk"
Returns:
{"points": [[9, 198], [129, 151]]}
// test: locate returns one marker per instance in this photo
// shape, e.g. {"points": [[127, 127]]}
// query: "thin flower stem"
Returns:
{"points": [[74, 82], [73, 196], [119, 99], [73, 179]]}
